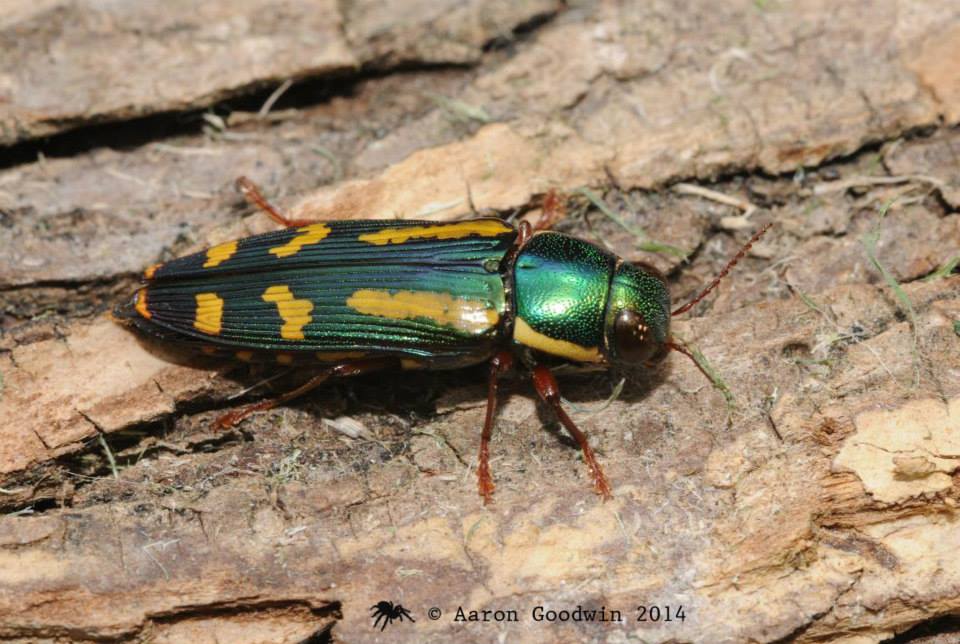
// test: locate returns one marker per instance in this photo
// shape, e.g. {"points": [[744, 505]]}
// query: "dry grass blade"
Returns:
{"points": [[648, 245], [692, 352], [109, 453], [946, 269], [870, 241], [580, 409]]}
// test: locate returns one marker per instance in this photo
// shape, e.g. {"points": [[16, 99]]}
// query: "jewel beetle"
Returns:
{"points": [[352, 297]]}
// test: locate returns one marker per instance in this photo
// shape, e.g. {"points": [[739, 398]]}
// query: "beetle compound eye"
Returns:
{"points": [[635, 341]]}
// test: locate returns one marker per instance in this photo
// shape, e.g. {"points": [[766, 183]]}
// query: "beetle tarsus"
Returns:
{"points": [[552, 210], [339, 370], [499, 364], [252, 194], [548, 389], [232, 418]]}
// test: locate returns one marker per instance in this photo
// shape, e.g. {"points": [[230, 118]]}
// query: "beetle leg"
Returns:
{"points": [[552, 210], [546, 386], [340, 370], [499, 364], [252, 193]]}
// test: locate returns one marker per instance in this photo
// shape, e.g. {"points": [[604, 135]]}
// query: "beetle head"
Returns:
{"points": [[637, 324]]}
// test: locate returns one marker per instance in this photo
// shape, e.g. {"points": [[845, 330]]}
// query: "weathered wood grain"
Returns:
{"points": [[74, 63]]}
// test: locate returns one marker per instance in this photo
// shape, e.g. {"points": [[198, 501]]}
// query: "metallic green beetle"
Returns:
{"points": [[351, 297]]}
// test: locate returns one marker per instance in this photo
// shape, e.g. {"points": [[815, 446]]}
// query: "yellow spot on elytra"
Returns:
{"points": [[284, 359], [337, 356], [308, 235], [151, 271], [220, 253], [525, 335], [245, 356], [472, 316], [459, 230], [141, 303], [209, 315], [295, 313]]}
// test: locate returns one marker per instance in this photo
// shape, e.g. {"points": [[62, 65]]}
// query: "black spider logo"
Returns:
{"points": [[388, 611]]}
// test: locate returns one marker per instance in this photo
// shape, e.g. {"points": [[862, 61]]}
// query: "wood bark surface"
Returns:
{"points": [[819, 506]]}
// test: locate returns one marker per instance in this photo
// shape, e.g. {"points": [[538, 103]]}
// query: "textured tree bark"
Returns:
{"points": [[819, 506]]}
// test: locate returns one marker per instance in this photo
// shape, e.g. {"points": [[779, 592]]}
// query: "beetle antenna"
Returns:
{"points": [[726, 269]]}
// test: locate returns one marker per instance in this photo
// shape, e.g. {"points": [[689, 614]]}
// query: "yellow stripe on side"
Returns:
{"points": [[295, 313], [525, 335], [220, 253], [480, 227], [141, 304], [308, 235], [472, 316], [209, 315], [151, 271]]}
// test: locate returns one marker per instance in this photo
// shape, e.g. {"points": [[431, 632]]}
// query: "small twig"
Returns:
{"points": [[189, 151], [196, 194], [21, 512], [729, 223], [215, 121], [273, 98], [854, 182]]}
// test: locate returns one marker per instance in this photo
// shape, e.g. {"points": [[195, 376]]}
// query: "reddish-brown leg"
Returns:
{"points": [[552, 210], [346, 369], [524, 233], [546, 386], [252, 193], [499, 364]]}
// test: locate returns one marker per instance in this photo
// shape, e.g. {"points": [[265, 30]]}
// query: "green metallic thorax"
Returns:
{"points": [[560, 286]]}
